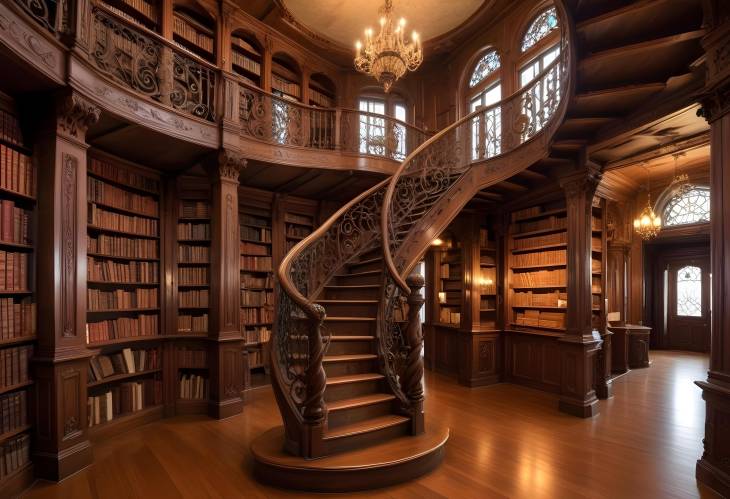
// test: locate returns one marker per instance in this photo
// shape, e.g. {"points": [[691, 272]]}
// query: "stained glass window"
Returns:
{"points": [[689, 292], [486, 66], [688, 207], [540, 27]]}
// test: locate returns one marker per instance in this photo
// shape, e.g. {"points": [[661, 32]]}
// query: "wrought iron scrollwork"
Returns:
{"points": [[193, 90], [43, 11]]}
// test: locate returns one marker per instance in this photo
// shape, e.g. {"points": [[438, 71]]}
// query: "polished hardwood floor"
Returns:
{"points": [[506, 441]]}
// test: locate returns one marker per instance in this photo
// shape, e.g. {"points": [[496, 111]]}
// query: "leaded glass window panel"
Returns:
{"points": [[689, 291], [540, 27], [486, 66], [688, 207]]}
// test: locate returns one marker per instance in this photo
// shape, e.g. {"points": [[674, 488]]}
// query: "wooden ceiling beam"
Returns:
{"points": [[680, 145], [532, 175], [297, 182]]}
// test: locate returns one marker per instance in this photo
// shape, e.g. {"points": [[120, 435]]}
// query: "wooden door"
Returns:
{"points": [[688, 310]]}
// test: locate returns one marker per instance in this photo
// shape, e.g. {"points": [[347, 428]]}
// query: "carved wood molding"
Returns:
{"points": [[229, 165], [69, 166], [75, 114]]}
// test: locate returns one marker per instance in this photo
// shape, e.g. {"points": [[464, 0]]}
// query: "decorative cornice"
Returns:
{"points": [[716, 94], [582, 182], [75, 114]]}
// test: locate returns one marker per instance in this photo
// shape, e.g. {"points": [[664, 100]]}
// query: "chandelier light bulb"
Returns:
{"points": [[402, 22], [382, 21]]}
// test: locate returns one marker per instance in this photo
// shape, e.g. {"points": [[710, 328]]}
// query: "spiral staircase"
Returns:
{"points": [[346, 352]]}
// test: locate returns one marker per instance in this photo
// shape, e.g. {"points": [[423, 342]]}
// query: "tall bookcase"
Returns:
{"points": [[123, 294], [598, 265], [488, 278], [450, 276], [194, 32], [193, 262], [17, 300], [538, 243], [246, 58]]}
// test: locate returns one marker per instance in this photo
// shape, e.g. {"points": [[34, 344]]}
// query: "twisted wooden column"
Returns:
{"points": [[412, 379], [314, 409]]}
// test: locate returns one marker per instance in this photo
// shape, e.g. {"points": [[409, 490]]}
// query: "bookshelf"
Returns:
{"points": [[142, 12], [191, 387], [487, 281], [247, 58], [450, 277], [123, 253], [257, 280], [598, 265], [321, 91], [285, 79], [194, 32], [17, 298], [193, 265], [537, 245]]}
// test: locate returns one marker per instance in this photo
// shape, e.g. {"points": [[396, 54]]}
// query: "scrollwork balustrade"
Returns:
{"points": [[43, 11]]}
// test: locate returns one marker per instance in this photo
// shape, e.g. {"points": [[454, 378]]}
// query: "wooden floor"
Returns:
{"points": [[506, 441]]}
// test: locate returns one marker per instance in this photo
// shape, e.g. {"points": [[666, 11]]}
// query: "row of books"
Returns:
{"points": [[255, 358], [261, 234], [596, 284], [526, 212], [13, 411], [16, 171], [127, 361], [258, 263], [320, 99], [145, 7], [193, 298], [259, 334], [248, 248], [547, 299], [538, 241], [449, 316], [17, 319], [297, 231], [450, 270], [122, 327], [257, 298], [551, 257], [191, 358], [285, 86], [14, 454], [98, 191], [487, 260], [124, 398], [98, 300], [192, 32], [556, 277], [194, 254], [131, 272], [488, 281], [242, 61], [255, 220], [551, 222], [14, 365], [595, 265], [193, 275], [250, 281], [596, 223], [541, 319], [13, 271], [123, 176], [257, 315], [293, 218], [124, 247], [194, 209], [188, 323], [14, 223], [193, 387], [487, 303], [196, 231], [142, 226], [10, 128]]}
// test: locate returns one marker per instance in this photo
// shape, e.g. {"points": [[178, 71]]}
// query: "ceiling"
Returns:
{"points": [[343, 21]]}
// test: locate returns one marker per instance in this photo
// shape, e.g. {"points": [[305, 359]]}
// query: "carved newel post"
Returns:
{"points": [[313, 407], [412, 379]]}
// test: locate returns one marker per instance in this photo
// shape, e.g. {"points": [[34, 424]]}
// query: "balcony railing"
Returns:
{"points": [[44, 12]]}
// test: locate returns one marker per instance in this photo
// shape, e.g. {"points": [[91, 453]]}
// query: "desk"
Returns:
{"points": [[630, 347]]}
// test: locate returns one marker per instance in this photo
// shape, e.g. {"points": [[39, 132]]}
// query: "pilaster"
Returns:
{"points": [[60, 365]]}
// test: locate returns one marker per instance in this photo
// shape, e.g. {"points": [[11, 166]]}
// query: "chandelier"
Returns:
{"points": [[680, 183], [648, 224], [387, 56]]}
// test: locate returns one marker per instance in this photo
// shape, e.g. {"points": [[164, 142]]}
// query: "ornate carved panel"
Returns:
{"points": [[70, 403], [69, 225]]}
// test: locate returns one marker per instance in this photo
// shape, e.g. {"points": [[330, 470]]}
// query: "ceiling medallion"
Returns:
{"points": [[387, 56], [648, 224]]}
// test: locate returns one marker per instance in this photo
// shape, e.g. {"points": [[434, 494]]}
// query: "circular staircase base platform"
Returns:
{"points": [[395, 461]]}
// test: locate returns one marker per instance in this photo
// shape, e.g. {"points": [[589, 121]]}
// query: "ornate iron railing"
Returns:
{"points": [[145, 63], [44, 12], [277, 120]]}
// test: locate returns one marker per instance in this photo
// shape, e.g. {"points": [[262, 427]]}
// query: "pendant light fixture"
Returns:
{"points": [[648, 224]]}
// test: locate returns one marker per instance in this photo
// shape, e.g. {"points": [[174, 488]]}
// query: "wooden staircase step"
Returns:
{"points": [[367, 426], [355, 291], [353, 403], [364, 277], [354, 378], [328, 359]]}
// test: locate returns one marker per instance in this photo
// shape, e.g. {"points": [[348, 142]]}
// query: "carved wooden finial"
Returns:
{"points": [[75, 114]]}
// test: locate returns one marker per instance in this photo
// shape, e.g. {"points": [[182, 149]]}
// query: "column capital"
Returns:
{"points": [[227, 165], [715, 97], [74, 115], [584, 181]]}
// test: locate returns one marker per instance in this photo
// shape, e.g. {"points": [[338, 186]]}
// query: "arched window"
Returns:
{"points": [[689, 291], [688, 207], [543, 24], [485, 90], [381, 136]]}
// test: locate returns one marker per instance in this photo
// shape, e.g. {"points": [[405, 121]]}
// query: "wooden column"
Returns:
{"points": [[713, 468], [581, 343], [61, 445], [226, 341]]}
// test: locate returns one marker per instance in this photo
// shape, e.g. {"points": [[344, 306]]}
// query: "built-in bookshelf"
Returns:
{"points": [[192, 390], [194, 32], [257, 281], [123, 253], [450, 277], [246, 58], [538, 241], [285, 79], [142, 12], [193, 266], [598, 265], [321, 91], [487, 283], [297, 226], [17, 295]]}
